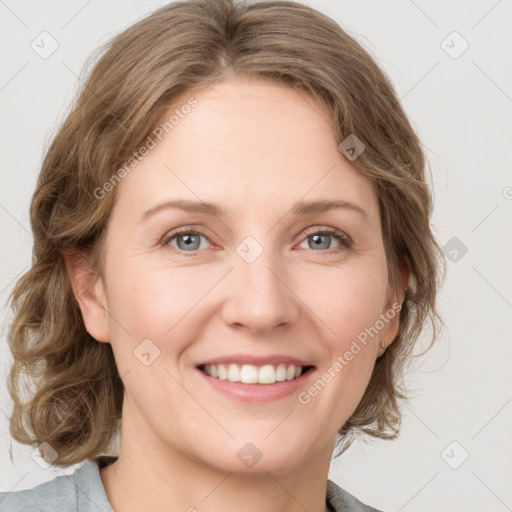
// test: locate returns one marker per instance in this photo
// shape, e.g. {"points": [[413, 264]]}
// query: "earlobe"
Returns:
{"points": [[89, 292]]}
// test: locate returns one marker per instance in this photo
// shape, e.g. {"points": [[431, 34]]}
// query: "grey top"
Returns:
{"points": [[83, 491]]}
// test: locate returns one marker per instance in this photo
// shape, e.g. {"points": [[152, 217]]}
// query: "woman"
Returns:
{"points": [[232, 262]]}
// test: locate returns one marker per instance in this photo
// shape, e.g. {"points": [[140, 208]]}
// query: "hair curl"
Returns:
{"points": [[75, 401]]}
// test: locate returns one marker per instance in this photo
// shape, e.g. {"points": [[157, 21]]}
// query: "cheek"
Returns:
{"points": [[150, 325], [345, 300], [158, 304], [151, 302], [349, 305]]}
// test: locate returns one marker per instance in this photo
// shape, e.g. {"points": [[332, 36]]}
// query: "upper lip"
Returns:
{"points": [[242, 359]]}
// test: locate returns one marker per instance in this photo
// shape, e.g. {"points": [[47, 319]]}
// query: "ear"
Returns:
{"points": [[393, 306], [89, 292]]}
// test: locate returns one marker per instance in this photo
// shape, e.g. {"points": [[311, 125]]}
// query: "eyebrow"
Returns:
{"points": [[300, 208]]}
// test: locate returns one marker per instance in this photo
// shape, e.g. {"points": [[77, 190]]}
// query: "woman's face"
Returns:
{"points": [[263, 280]]}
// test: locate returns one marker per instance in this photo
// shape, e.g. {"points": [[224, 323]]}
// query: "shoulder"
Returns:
{"points": [[82, 491], [340, 500]]}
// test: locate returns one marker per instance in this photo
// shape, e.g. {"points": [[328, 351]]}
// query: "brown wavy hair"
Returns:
{"points": [[65, 386]]}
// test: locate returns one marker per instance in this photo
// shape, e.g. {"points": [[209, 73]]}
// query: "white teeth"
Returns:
{"points": [[250, 374], [267, 374], [223, 372], [281, 372], [234, 373]]}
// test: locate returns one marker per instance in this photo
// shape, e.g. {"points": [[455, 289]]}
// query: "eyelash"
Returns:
{"points": [[344, 239]]}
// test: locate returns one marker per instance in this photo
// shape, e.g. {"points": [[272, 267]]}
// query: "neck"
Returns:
{"points": [[151, 477]]}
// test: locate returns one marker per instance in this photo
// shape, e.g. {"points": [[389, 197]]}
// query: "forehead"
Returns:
{"points": [[249, 144]]}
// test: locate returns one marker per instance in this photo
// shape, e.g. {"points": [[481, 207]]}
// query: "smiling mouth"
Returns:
{"points": [[251, 374]]}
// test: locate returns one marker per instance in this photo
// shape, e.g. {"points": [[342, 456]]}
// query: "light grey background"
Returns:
{"points": [[462, 109]]}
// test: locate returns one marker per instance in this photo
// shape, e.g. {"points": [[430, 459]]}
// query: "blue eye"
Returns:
{"points": [[186, 240], [320, 240], [189, 241]]}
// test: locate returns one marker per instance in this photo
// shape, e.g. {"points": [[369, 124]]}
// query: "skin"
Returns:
{"points": [[255, 148]]}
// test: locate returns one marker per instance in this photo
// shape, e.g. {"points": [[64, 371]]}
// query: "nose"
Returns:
{"points": [[260, 296]]}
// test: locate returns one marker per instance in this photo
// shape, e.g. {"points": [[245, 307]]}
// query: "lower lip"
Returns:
{"points": [[257, 392]]}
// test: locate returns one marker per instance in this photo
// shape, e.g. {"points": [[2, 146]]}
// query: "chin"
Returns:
{"points": [[259, 456]]}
